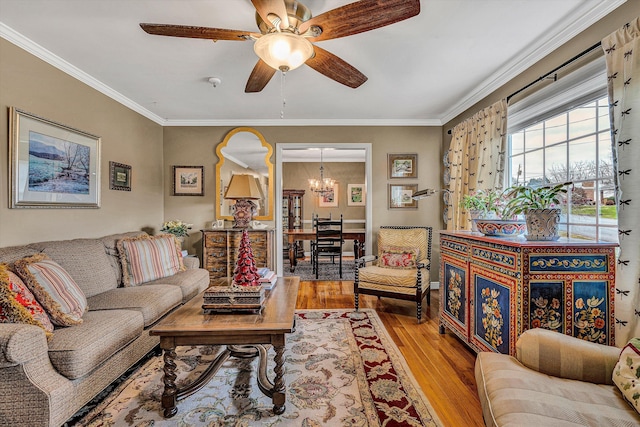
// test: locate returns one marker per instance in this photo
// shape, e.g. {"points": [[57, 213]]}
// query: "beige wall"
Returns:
{"points": [[196, 146], [32, 85]]}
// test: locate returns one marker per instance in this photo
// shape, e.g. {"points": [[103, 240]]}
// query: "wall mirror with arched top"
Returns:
{"points": [[245, 151]]}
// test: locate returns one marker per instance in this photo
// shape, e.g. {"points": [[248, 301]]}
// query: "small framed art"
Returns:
{"points": [[188, 181], [403, 165], [120, 176], [330, 198], [401, 196], [52, 165], [355, 195]]}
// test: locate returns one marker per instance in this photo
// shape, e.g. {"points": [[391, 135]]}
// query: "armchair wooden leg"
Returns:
{"points": [[419, 308], [357, 300]]}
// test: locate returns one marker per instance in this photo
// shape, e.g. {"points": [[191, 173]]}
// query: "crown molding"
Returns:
{"points": [[589, 15], [306, 122]]}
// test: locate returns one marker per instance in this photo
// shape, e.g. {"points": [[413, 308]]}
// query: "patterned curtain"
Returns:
{"points": [[475, 160], [622, 53]]}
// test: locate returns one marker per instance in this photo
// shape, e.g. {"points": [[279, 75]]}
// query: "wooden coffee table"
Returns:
{"points": [[244, 334]]}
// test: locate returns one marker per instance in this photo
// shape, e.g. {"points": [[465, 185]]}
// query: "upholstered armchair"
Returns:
{"points": [[400, 269]]}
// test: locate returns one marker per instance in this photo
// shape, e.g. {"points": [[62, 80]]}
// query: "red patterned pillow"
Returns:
{"points": [[54, 288], [18, 305], [397, 257]]}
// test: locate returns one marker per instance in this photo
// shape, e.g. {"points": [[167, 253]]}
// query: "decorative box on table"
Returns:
{"points": [[233, 298]]}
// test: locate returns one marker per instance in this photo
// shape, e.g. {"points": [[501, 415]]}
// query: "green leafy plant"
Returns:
{"points": [[522, 199], [483, 201], [176, 227]]}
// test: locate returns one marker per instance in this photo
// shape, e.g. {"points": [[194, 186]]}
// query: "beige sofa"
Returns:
{"points": [[44, 383], [554, 380]]}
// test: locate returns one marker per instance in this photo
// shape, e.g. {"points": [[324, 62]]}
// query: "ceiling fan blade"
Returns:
{"points": [[361, 16], [197, 32], [259, 77], [277, 7], [335, 68]]}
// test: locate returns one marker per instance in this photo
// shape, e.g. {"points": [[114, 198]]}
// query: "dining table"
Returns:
{"points": [[296, 236]]}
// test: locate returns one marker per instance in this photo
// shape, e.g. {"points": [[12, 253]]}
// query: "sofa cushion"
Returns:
{"points": [[147, 258], [11, 254], [85, 260], [514, 395], [110, 244], [190, 282], [78, 350], [18, 305], [626, 374], [398, 257], [153, 301], [54, 288]]}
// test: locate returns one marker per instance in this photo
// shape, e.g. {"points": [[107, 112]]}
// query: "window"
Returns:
{"points": [[562, 133]]}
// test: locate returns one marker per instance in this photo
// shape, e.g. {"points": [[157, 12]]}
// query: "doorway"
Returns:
{"points": [[287, 151]]}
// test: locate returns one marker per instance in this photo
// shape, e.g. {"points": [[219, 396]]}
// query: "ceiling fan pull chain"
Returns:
{"points": [[283, 74]]}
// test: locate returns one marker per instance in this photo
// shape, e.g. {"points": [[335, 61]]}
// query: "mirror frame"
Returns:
{"points": [[267, 160]]}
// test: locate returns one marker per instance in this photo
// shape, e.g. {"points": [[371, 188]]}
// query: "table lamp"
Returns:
{"points": [[243, 189]]}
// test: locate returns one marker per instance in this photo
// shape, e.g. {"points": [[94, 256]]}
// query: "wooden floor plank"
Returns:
{"points": [[442, 364]]}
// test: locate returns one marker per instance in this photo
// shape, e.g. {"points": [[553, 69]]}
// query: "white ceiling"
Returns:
{"points": [[422, 71]]}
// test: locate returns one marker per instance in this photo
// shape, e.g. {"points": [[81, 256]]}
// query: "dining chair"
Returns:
{"points": [[328, 242]]}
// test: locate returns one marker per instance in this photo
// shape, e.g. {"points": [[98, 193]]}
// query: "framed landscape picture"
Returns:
{"points": [[401, 196], [120, 176], [329, 199], [188, 180], [403, 165], [355, 195], [52, 165]]}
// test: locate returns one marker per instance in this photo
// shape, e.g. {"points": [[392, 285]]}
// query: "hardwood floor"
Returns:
{"points": [[442, 364]]}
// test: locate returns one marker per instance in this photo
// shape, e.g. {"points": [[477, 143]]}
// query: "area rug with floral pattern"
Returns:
{"points": [[341, 369]]}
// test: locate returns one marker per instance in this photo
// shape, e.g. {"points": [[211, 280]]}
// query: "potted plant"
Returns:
{"points": [[539, 207], [178, 228], [486, 208]]}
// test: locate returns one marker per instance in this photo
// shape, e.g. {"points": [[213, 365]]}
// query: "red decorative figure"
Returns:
{"points": [[246, 272]]}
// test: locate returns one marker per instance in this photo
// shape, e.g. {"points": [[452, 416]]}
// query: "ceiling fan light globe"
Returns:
{"points": [[283, 51]]}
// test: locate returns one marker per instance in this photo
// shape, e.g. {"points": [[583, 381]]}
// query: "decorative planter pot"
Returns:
{"points": [[475, 215], [542, 224], [501, 227]]}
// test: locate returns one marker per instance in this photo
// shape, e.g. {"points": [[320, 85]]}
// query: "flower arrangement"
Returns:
{"points": [[176, 227]]}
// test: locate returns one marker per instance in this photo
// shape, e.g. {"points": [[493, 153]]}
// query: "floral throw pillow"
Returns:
{"points": [[18, 305], [54, 288], [396, 257], [626, 374]]}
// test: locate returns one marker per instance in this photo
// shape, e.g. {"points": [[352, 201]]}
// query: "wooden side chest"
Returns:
{"points": [[493, 289], [220, 250]]}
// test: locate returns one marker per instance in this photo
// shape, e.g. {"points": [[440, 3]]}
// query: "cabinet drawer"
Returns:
{"points": [[214, 240]]}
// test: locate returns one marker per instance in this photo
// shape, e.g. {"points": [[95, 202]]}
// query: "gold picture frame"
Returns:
{"points": [[52, 165], [188, 181], [401, 196], [403, 165]]}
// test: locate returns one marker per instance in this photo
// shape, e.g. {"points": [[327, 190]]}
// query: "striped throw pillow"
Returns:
{"points": [[147, 258], [54, 288]]}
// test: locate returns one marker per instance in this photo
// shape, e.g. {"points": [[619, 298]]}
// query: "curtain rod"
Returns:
{"points": [[564, 64], [544, 77]]}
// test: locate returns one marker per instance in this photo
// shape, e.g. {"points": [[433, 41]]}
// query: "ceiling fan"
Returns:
{"points": [[287, 30]]}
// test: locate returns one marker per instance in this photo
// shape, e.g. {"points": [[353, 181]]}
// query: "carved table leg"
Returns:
{"points": [[278, 397], [169, 397]]}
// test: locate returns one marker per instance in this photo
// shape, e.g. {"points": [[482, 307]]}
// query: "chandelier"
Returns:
{"points": [[322, 186]]}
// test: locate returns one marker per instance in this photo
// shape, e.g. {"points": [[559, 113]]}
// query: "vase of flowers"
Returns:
{"points": [[176, 227]]}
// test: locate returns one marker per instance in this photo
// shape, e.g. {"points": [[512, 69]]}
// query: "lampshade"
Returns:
{"points": [[283, 51], [242, 186]]}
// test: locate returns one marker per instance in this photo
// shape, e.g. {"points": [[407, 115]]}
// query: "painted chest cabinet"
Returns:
{"points": [[493, 289]]}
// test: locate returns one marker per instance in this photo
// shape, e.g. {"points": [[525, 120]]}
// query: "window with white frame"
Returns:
{"points": [[562, 133]]}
